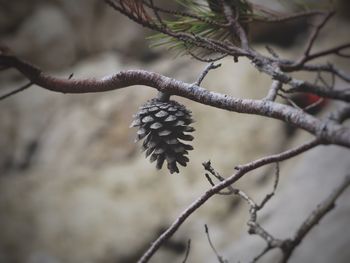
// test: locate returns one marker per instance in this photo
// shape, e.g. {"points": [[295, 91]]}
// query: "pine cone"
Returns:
{"points": [[163, 124]]}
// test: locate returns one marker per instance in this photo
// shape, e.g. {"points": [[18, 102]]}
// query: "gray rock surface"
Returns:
{"points": [[75, 188]]}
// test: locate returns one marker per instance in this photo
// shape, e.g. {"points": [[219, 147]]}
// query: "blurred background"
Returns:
{"points": [[75, 188]]}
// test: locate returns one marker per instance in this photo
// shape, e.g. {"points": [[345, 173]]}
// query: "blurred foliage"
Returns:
{"points": [[206, 19]]}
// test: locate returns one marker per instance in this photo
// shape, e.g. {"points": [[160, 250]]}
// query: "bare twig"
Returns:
{"points": [[307, 56], [334, 50], [324, 68], [271, 51], [322, 209], [314, 105], [286, 18], [218, 256], [315, 33], [237, 29], [22, 88], [205, 72], [273, 91], [289, 100], [208, 167], [289, 245], [206, 59], [254, 227], [155, 11], [270, 195], [261, 254], [188, 249]]}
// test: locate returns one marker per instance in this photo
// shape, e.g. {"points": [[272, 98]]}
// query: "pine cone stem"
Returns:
{"points": [[162, 96]]}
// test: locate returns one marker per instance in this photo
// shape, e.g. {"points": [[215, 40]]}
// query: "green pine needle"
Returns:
{"points": [[200, 27]]}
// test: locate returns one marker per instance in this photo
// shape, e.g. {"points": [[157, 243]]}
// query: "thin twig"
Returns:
{"points": [[22, 88], [322, 209], [290, 101], [273, 91], [218, 256], [208, 167], [270, 195], [237, 29], [205, 72], [254, 227], [316, 32], [314, 104], [155, 11], [206, 60], [188, 249], [261, 254], [286, 18], [271, 51], [328, 67]]}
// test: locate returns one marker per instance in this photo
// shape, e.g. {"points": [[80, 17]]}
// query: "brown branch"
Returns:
{"points": [[314, 218], [330, 68], [334, 50], [263, 64], [204, 59], [186, 37], [326, 92], [241, 171], [328, 132], [307, 56], [315, 33], [237, 29]]}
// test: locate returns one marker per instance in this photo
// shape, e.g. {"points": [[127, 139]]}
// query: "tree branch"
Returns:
{"points": [[328, 132], [205, 73], [241, 171], [315, 33], [273, 91], [313, 219]]}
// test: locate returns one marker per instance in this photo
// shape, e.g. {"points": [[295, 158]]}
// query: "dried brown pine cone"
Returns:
{"points": [[163, 125]]}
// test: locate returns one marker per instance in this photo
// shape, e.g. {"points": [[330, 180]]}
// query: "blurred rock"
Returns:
{"points": [[75, 188], [12, 14], [45, 38], [55, 34]]}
